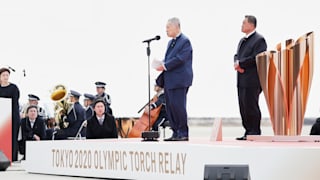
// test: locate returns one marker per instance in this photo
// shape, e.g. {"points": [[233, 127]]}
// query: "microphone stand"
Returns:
{"points": [[78, 135], [149, 135]]}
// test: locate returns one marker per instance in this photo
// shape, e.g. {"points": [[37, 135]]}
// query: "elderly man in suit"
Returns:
{"points": [[176, 78], [248, 83]]}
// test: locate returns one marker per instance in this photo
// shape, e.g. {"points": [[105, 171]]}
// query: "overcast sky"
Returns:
{"points": [[77, 42]]}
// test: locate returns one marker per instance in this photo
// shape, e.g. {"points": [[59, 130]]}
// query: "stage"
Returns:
{"points": [[134, 159]]}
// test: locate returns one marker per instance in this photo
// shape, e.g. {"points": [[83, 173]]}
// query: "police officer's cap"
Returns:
{"points": [[33, 97], [89, 96], [74, 93], [100, 84]]}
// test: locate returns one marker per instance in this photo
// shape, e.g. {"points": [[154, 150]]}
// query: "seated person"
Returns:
{"points": [[74, 117], [33, 100], [51, 124], [101, 93], [32, 128], [160, 102], [88, 105], [102, 124], [315, 129]]}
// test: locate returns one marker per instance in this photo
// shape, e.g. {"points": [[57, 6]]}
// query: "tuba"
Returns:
{"points": [[62, 106]]}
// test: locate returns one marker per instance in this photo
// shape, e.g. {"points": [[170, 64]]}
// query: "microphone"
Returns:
{"points": [[149, 40], [12, 69], [24, 73]]}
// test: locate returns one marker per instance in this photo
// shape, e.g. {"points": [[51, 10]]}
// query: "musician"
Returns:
{"points": [[161, 101], [50, 127], [32, 128], [100, 88], [102, 124], [177, 76], [88, 105], [34, 100], [75, 117], [11, 90]]}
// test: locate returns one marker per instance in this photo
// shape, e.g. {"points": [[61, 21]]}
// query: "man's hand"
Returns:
{"points": [[237, 67], [36, 137], [160, 68], [146, 109]]}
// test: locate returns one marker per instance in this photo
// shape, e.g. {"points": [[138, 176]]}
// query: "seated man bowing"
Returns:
{"points": [[32, 128], [102, 124]]}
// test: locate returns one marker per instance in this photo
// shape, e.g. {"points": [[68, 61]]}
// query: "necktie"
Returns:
{"points": [[173, 43], [100, 121]]}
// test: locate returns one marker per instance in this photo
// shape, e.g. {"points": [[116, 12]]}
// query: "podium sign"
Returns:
{"points": [[6, 127], [285, 77]]}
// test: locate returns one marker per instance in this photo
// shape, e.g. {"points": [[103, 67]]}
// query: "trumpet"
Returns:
{"points": [[62, 106]]}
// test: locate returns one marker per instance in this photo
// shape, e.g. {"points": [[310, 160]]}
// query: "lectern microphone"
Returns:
{"points": [[149, 40]]}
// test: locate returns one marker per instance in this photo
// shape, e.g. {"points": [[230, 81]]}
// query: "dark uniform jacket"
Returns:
{"points": [[107, 130], [75, 118]]}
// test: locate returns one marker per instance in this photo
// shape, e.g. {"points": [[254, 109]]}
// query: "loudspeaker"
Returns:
{"points": [[226, 172], [4, 161]]}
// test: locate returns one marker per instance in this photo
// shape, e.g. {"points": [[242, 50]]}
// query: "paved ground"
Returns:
{"points": [[204, 131]]}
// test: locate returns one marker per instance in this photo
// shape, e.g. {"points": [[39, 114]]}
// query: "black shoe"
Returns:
{"points": [[170, 139], [181, 139], [243, 138], [177, 139]]}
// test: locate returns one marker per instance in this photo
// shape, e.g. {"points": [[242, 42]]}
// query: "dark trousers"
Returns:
{"points": [[249, 109], [162, 116], [176, 100]]}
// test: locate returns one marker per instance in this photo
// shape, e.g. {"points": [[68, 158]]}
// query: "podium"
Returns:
{"points": [[6, 127]]}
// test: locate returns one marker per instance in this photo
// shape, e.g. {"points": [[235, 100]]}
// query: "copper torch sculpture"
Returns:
{"points": [[285, 77]]}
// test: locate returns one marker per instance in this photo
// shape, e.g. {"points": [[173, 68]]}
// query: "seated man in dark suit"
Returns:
{"points": [[32, 128]]}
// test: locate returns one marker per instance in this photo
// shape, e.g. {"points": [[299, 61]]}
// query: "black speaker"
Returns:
{"points": [[226, 172], [4, 161]]}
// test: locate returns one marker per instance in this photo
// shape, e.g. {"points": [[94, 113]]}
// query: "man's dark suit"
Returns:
{"points": [[176, 79], [248, 82], [28, 132], [107, 130]]}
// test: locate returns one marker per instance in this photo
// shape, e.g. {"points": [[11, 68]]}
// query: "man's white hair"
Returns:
{"points": [[175, 21]]}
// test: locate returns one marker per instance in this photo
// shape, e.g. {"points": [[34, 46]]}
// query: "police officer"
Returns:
{"points": [[34, 100], [75, 117], [100, 88], [88, 105]]}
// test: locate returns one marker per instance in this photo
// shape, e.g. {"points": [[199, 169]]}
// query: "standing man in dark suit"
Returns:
{"points": [[248, 83], [176, 78]]}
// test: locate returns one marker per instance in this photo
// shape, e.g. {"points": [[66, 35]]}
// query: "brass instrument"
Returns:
{"points": [[62, 106]]}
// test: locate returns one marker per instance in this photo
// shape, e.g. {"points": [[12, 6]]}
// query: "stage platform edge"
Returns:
{"points": [[134, 159]]}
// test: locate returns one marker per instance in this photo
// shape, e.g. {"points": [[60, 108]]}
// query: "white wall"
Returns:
{"points": [[77, 42]]}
